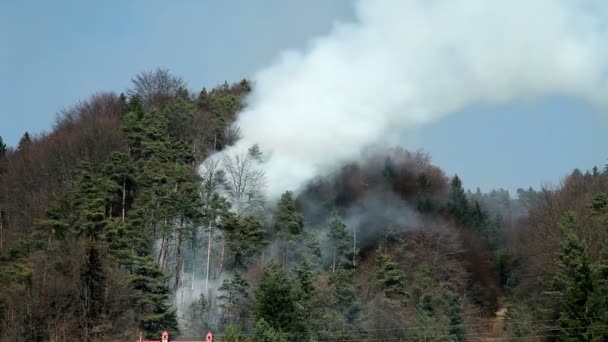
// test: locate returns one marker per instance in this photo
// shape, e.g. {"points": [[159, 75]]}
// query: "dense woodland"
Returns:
{"points": [[127, 220]]}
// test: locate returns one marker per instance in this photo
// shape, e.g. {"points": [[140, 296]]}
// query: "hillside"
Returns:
{"points": [[128, 218]]}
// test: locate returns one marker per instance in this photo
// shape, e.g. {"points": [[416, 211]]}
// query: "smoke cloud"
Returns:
{"points": [[402, 64]]}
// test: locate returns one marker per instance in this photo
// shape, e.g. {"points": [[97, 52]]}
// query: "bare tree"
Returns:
{"points": [[213, 178], [160, 82], [245, 181]]}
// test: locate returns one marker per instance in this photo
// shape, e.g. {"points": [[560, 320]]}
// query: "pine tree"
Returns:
{"points": [[264, 332], [458, 205], [233, 298], [255, 152], [276, 299], [120, 174], [89, 198], [345, 293], [3, 149], [599, 298], [288, 224], [24, 142], [151, 297], [389, 278], [305, 278], [340, 242], [233, 333], [573, 284], [455, 316], [92, 289], [598, 301], [246, 239]]}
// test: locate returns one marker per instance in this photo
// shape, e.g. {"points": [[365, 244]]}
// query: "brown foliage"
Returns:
{"points": [[534, 240], [38, 172]]}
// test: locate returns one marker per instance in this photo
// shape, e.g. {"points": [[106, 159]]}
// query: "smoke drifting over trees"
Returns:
{"points": [[280, 211], [403, 64]]}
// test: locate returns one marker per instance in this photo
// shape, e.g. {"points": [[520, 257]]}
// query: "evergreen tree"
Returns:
{"points": [[92, 289], [3, 149], [599, 298], [276, 299], [151, 297], [255, 152], [233, 333], [305, 278], [389, 278], [573, 284], [89, 199], [458, 205], [345, 293], [340, 242], [24, 142], [455, 317], [245, 239], [264, 332], [118, 170], [424, 327], [288, 224], [233, 298]]}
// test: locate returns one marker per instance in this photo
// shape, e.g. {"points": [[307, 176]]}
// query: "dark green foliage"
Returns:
{"points": [[233, 333], [305, 278], [598, 302], [458, 205], [86, 260], [424, 327], [24, 142], [246, 238], [233, 298], [340, 242], [573, 284], [288, 226], [255, 152], [3, 149], [93, 286], [264, 332], [389, 278], [288, 222], [276, 300], [79, 259], [151, 297], [520, 320], [345, 293], [455, 316]]}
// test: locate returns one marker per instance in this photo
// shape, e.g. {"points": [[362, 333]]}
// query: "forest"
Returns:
{"points": [[126, 220]]}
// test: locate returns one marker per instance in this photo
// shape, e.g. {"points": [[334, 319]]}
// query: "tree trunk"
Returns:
{"points": [[222, 256], [333, 264], [178, 254], [355, 247], [193, 265], [1, 231], [124, 196], [209, 245], [164, 255]]}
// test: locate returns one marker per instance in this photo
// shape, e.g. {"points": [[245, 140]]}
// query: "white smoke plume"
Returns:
{"points": [[405, 63]]}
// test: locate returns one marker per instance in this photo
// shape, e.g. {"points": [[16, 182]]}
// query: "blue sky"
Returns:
{"points": [[55, 53]]}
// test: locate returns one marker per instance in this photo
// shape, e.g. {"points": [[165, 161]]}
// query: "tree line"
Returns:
{"points": [[125, 220]]}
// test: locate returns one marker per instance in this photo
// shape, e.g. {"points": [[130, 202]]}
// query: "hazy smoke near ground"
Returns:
{"points": [[403, 64]]}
